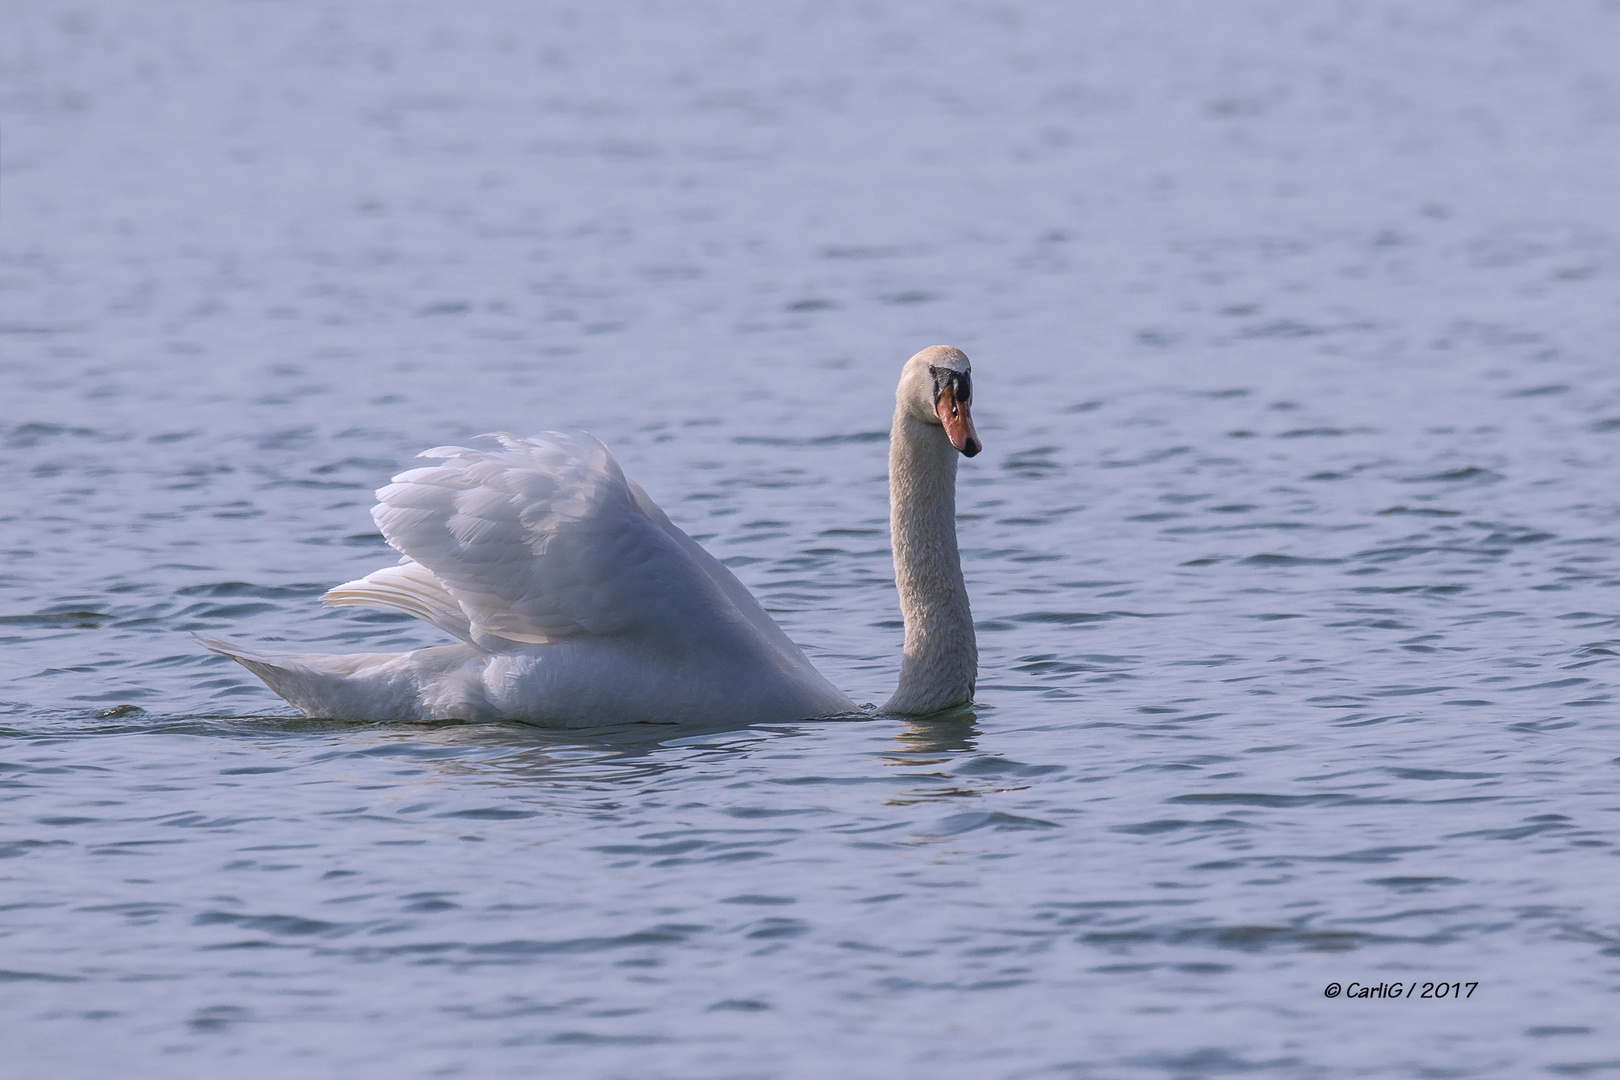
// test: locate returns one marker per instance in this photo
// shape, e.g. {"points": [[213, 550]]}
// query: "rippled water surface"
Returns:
{"points": [[1294, 549]]}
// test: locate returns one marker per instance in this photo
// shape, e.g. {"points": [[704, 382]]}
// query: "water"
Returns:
{"points": [[1294, 544]]}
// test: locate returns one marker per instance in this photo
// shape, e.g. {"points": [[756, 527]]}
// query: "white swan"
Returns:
{"points": [[578, 602]]}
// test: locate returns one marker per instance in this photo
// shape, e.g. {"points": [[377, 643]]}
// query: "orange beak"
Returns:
{"points": [[958, 423]]}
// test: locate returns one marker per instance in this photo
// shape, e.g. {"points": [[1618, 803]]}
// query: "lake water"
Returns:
{"points": [[1295, 546]]}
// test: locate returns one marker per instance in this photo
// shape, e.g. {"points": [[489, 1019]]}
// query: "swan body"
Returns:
{"points": [[576, 601]]}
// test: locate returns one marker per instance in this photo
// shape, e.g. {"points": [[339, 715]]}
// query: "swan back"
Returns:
{"points": [[589, 600]]}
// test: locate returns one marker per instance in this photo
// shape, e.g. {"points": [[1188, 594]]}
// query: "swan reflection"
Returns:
{"points": [[954, 731]]}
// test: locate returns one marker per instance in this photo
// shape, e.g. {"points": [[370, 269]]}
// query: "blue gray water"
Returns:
{"points": [[1295, 547]]}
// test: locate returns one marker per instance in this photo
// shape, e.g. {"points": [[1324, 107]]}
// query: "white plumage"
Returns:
{"points": [[578, 602]]}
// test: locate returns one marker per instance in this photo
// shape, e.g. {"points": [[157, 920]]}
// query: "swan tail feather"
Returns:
{"points": [[428, 684]]}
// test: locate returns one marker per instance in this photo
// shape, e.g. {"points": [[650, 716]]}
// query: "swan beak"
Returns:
{"points": [[958, 422]]}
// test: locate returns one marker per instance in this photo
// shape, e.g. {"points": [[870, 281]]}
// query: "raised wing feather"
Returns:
{"points": [[544, 539], [409, 587]]}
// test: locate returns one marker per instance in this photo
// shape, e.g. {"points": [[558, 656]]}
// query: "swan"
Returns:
{"points": [[577, 602]]}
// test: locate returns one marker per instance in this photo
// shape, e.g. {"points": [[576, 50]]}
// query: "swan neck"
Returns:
{"points": [[940, 662]]}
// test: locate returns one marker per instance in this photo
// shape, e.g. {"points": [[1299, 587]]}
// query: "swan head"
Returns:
{"points": [[936, 387]]}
